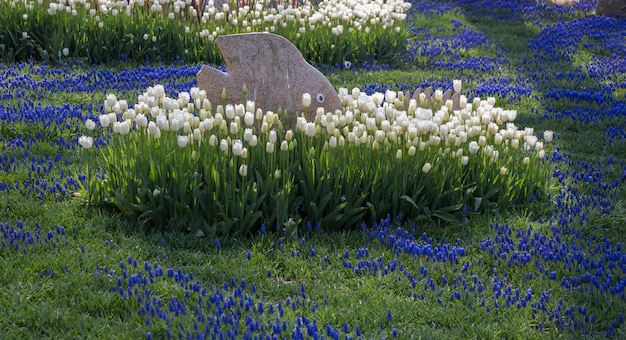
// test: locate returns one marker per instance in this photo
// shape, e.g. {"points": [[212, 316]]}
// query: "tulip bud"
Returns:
{"points": [[456, 85], [426, 168], [182, 141], [306, 100]]}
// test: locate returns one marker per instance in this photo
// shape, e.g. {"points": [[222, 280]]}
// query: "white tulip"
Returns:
{"points": [[124, 128], [456, 85], [234, 128], [182, 141], [548, 136], [426, 168], [111, 100], [473, 147], [230, 112], [310, 129], [85, 141], [239, 110], [306, 100], [90, 124], [248, 118], [237, 147], [243, 170]]}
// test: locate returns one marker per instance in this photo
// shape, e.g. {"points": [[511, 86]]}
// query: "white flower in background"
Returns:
{"points": [[141, 120], [337, 30], [229, 112], [243, 170], [515, 143], [223, 145], [438, 95], [399, 154], [306, 100], [310, 129], [254, 141], [247, 134], [65, 51], [234, 128], [213, 140], [332, 142], [85, 141], [248, 118], [194, 92], [463, 101], [390, 96], [110, 100], [464, 160], [530, 141], [183, 99], [237, 147], [176, 123], [239, 110], [273, 137], [156, 192], [90, 124], [269, 147], [284, 146], [548, 136], [378, 98], [197, 134], [412, 150], [503, 171], [497, 139], [153, 129], [526, 160], [473, 147], [426, 168], [541, 154], [182, 141], [124, 127], [482, 141], [163, 123], [456, 85]]}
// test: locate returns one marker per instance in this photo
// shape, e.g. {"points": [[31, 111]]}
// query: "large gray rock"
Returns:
{"points": [[274, 72], [612, 8]]}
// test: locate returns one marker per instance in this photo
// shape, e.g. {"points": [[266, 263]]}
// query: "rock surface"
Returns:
{"points": [[611, 8], [274, 73]]}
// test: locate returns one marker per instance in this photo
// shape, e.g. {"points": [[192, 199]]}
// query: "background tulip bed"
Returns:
{"points": [[555, 269]]}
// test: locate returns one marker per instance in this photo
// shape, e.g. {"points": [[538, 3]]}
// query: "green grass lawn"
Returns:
{"points": [[552, 270]]}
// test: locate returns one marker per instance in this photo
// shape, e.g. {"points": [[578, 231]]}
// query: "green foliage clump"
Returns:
{"points": [[143, 32], [227, 170]]}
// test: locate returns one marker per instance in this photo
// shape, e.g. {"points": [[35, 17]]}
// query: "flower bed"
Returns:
{"points": [[182, 164]]}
